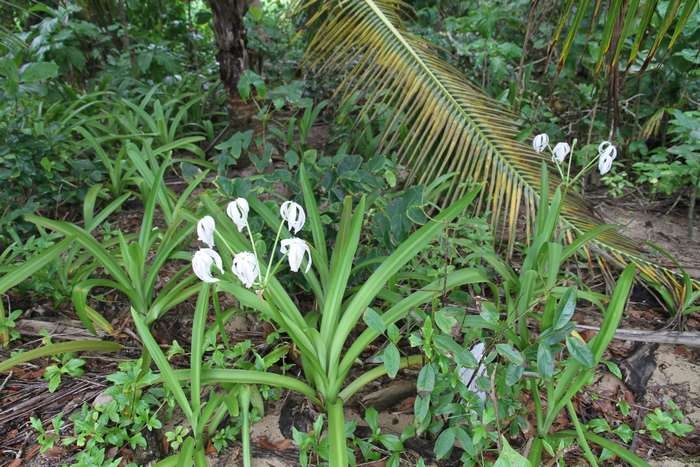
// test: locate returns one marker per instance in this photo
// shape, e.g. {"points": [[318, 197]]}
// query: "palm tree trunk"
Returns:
{"points": [[231, 41]]}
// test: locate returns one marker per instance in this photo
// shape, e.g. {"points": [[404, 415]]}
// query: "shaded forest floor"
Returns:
{"points": [[652, 373]]}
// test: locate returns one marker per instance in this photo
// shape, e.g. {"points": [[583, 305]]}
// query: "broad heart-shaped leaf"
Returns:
{"points": [[249, 79], [38, 71], [442, 124]]}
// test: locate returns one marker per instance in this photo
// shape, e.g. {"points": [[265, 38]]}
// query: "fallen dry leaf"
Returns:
{"points": [[55, 452], [281, 445], [210, 450]]}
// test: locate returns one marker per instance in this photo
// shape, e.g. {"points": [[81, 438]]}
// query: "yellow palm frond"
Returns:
{"points": [[442, 123]]}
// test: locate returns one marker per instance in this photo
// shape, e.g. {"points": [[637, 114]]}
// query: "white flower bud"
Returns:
{"points": [[205, 230], [560, 151], [294, 215], [238, 210], [540, 142]]}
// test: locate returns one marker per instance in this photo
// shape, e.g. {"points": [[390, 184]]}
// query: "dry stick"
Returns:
{"points": [[526, 41], [594, 112], [217, 138], [688, 338], [673, 206], [2, 386], [691, 211]]}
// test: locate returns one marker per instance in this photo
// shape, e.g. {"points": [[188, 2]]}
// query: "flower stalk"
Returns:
{"points": [[322, 342], [605, 157]]}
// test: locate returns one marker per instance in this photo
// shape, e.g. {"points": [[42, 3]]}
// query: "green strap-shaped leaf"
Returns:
{"points": [[580, 13], [314, 220], [197, 352], [225, 376], [88, 242], [341, 265], [59, 348], [620, 451], [690, 6], [671, 12], [571, 381], [86, 313], [168, 375], [648, 13], [34, 264], [369, 290]]}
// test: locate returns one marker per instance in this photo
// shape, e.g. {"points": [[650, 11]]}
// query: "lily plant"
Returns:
{"points": [[320, 333], [607, 153]]}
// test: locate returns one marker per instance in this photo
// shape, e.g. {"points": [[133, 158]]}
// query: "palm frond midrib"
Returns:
{"points": [[451, 125]]}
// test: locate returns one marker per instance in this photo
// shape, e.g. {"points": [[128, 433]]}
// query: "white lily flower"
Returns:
{"points": [[467, 375], [202, 262], [245, 267], [294, 214], [560, 151], [238, 210], [606, 148], [604, 164], [295, 248], [205, 230], [607, 154], [540, 142]]}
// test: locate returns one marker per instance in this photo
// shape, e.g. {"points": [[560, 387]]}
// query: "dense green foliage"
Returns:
{"points": [[117, 138]]}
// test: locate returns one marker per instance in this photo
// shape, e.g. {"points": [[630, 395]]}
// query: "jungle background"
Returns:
{"points": [[113, 109]]}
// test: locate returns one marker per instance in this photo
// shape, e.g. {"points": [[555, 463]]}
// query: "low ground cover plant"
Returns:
{"points": [[371, 210]]}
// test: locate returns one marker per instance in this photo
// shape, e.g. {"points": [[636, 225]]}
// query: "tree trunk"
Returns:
{"points": [[230, 39]]}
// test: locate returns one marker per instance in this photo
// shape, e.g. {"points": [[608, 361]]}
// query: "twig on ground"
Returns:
{"points": [[2, 386], [688, 338]]}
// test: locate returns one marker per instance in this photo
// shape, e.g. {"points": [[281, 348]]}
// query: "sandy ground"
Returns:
{"points": [[669, 231], [677, 378]]}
